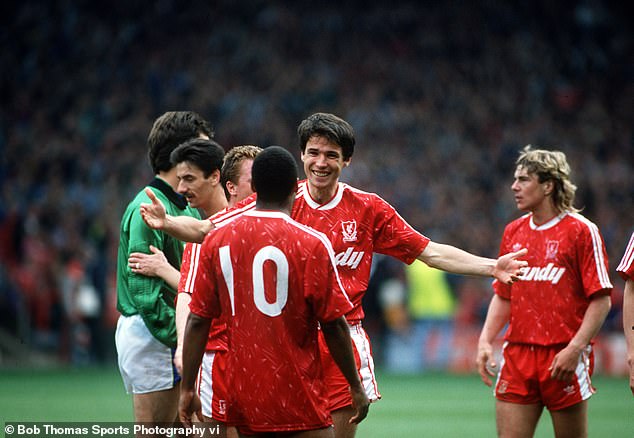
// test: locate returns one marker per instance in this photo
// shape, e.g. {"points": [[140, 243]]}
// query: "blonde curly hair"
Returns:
{"points": [[551, 166]]}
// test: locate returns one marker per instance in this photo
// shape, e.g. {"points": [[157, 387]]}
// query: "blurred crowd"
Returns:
{"points": [[442, 97]]}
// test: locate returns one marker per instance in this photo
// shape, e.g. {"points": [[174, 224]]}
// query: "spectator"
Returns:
{"points": [[76, 103]]}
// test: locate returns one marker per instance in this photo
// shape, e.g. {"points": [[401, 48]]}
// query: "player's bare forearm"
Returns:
{"points": [[497, 316], [187, 228], [170, 275], [593, 319], [565, 362], [182, 313], [337, 337], [455, 260], [196, 333], [628, 326], [628, 319]]}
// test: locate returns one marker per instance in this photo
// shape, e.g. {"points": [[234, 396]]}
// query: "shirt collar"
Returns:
{"points": [[176, 199]]}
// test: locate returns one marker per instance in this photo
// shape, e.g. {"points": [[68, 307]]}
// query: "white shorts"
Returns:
{"points": [[211, 385], [146, 364]]}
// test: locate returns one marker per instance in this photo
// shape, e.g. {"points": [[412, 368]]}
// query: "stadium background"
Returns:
{"points": [[442, 95]]}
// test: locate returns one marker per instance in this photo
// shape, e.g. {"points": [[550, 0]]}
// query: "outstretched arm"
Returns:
{"points": [[337, 336], [184, 228], [506, 269], [497, 317]]}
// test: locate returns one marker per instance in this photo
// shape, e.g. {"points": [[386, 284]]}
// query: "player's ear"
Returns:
{"points": [[231, 188], [215, 176], [548, 187]]}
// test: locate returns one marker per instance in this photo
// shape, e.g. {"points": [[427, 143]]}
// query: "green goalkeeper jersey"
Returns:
{"points": [[150, 297]]}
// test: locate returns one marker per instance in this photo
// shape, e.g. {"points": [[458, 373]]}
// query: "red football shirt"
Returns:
{"points": [[189, 269], [277, 279], [626, 267], [357, 224], [567, 264]]}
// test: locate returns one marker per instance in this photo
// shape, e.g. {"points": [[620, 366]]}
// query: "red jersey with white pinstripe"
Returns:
{"points": [[567, 265], [217, 340], [626, 267], [276, 279], [358, 224]]}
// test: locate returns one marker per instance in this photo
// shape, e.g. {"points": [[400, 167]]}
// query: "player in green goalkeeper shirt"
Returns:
{"points": [[146, 332]]}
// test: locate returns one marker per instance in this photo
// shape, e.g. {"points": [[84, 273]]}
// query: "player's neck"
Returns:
{"points": [[544, 213], [323, 195], [266, 206], [283, 207], [233, 200], [217, 202], [169, 177]]}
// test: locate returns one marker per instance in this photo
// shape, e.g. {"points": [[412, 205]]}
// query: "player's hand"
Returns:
{"points": [[153, 214], [360, 403], [149, 265], [565, 363], [188, 406], [487, 367], [508, 268]]}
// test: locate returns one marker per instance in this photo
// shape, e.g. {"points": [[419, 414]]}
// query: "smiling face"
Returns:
{"points": [[323, 163], [193, 185]]}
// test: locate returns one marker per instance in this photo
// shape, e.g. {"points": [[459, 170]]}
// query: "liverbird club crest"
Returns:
{"points": [[349, 229], [552, 246]]}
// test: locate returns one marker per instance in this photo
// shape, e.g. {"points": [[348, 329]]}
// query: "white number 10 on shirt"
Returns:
{"points": [[276, 256]]}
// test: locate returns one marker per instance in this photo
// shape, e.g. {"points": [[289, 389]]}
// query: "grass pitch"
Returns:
{"points": [[426, 406]]}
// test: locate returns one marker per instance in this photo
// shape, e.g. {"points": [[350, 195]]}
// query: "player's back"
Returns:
{"points": [[268, 267], [276, 277]]}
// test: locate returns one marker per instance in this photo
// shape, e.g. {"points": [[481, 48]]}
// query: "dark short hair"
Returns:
{"points": [[274, 174], [334, 128], [170, 130], [207, 155]]}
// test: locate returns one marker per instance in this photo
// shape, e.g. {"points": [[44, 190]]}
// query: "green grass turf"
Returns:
{"points": [[450, 406], [431, 405]]}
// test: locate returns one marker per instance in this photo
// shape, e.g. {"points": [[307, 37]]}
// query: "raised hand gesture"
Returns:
{"points": [[154, 214]]}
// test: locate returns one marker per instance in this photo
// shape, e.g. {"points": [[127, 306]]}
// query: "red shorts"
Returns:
{"points": [[212, 388], [524, 377], [338, 387]]}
